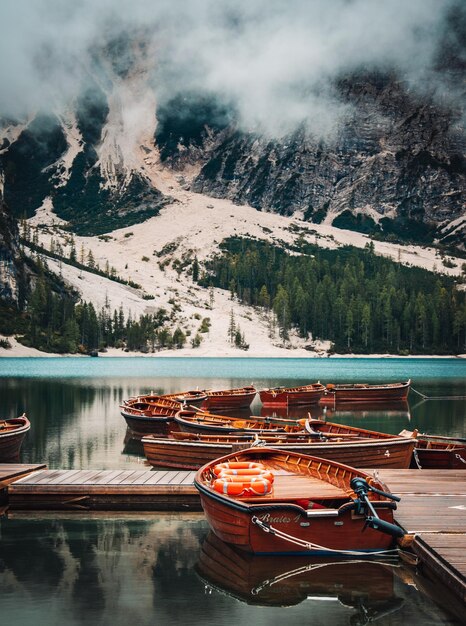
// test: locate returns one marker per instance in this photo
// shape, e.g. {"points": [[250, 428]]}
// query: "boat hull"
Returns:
{"points": [[392, 453], [142, 425], [272, 397], [240, 400], [365, 394], [12, 440], [311, 507], [454, 458], [235, 525]]}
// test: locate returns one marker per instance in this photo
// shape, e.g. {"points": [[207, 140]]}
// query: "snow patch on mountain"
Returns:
{"points": [[75, 145], [131, 123]]}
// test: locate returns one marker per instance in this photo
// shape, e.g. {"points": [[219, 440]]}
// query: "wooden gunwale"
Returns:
{"points": [[12, 433], [282, 396], [395, 453], [287, 467], [240, 391]]}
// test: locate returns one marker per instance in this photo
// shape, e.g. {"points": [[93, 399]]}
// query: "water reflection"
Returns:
{"points": [[367, 586], [95, 569], [132, 446], [76, 423]]}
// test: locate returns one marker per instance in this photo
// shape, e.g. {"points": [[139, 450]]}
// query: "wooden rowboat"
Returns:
{"points": [[12, 433], [367, 586], [190, 420], [230, 398], [437, 452], [292, 396], [150, 417], [311, 506], [352, 446], [365, 393], [192, 398]]}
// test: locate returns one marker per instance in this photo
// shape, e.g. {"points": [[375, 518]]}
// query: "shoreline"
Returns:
{"points": [[19, 351]]}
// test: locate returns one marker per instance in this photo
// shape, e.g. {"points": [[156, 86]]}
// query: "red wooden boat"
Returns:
{"points": [[192, 398], [292, 396], [437, 452], [230, 398], [151, 399], [307, 505], [364, 585], [12, 433], [352, 446], [365, 393], [150, 417], [190, 420]]}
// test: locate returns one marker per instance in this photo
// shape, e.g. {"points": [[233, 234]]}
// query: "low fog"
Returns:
{"points": [[274, 61]]}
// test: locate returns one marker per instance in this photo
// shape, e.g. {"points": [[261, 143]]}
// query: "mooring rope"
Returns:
{"points": [[267, 528], [314, 566], [424, 397]]}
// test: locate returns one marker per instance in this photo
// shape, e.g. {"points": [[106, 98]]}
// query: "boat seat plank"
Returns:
{"points": [[293, 487]]}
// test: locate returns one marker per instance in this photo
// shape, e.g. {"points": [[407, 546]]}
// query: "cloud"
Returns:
{"points": [[275, 60]]}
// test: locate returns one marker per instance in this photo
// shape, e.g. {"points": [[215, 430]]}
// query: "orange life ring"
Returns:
{"points": [[237, 465], [255, 485], [234, 478], [253, 471]]}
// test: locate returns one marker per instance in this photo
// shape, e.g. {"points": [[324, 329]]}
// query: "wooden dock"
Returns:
{"points": [[433, 507], [10, 472], [105, 490], [433, 504]]}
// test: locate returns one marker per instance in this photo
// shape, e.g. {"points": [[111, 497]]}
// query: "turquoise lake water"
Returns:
{"points": [[240, 368], [113, 569]]}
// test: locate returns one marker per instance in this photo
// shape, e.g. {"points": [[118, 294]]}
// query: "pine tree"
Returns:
{"points": [[264, 298], [179, 338], [195, 270], [232, 327], [90, 260], [282, 311], [72, 256]]}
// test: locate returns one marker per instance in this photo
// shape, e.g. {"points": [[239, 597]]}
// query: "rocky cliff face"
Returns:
{"points": [[12, 268], [395, 168]]}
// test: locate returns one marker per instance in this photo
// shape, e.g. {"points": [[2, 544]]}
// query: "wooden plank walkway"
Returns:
{"points": [[105, 490], [433, 506], [10, 472]]}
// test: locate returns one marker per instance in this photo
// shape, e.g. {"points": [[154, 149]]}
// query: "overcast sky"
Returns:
{"points": [[276, 60]]}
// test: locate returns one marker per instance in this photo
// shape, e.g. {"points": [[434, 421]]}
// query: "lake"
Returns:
{"points": [[109, 569]]}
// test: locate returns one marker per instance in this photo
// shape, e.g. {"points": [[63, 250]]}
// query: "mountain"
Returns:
{"points": [[394, 166], [13, 272], [135, 181]]}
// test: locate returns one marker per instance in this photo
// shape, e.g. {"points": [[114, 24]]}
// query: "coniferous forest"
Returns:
{"points": [[54, 320], [362, 302]]}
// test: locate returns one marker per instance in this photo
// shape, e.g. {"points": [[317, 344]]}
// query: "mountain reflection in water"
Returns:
{"points": [[80, 569]]}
